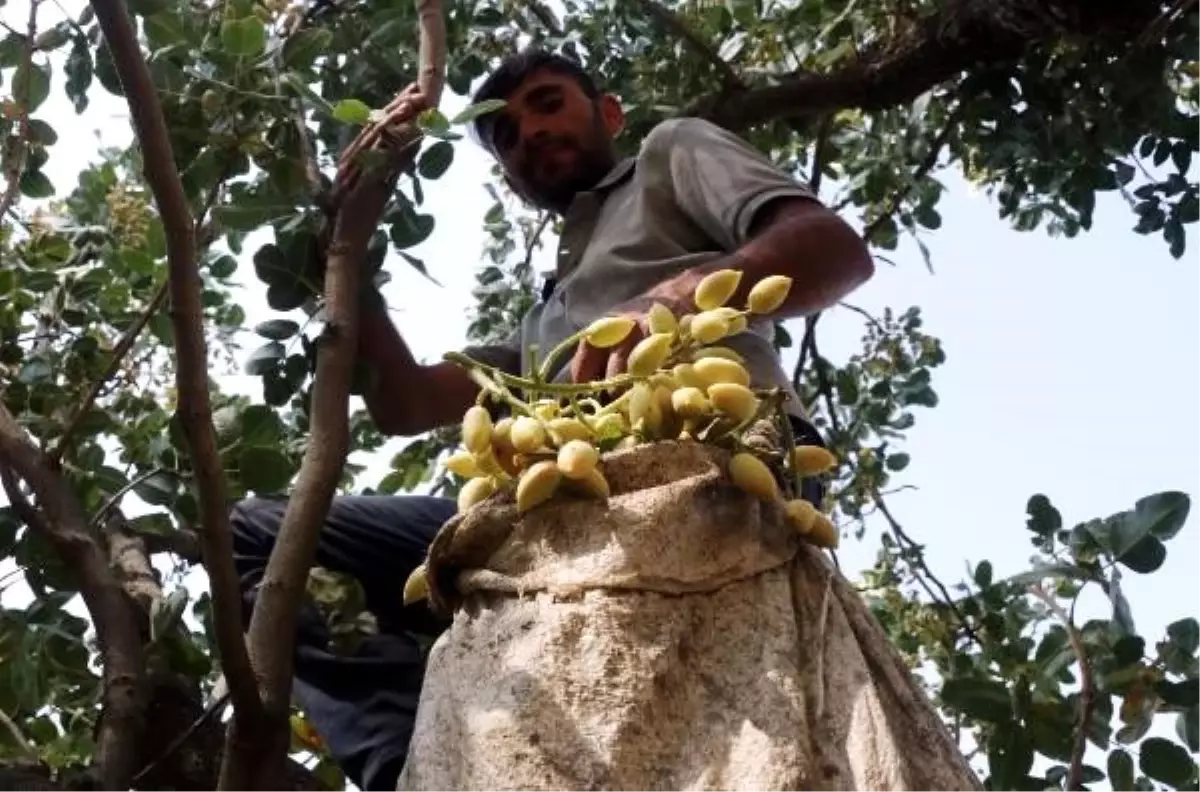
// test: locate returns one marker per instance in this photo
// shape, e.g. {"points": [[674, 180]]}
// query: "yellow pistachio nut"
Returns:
{"points": [[577, 458], [477, 429], [823, 532], [649, 354], [660, 319], [475, 491], [527, 434], [564, 430], [768, 294], [801, 514], [736, 401], [812, 460], [709, 327], [713, 370], [753, 476], [715, 289], [689, 402], [609, 331], [416, 588], [537, 485], [462, 463]]}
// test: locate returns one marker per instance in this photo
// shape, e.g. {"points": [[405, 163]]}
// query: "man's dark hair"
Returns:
{"points": [[514, 70]]}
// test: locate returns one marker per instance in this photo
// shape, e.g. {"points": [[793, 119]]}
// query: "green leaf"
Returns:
{"points": [[474, 111], [1185, 634], [261, 426], [223, 267], [1044, 519], [302, 49], [265, 358], [1167, 762], [1163, 514], [157, 490], [1187, 726], [897, 462], [1146, 556], [983, 574], [245, 37], [436, 160], [1120, 770], [1178, 694], [265, 470], [271, 266], [36, 184], [352, 111], [39, 84], [277, 329], [106, 70], [411, 228], [41, 132], [1128, 650], [981, 699]]}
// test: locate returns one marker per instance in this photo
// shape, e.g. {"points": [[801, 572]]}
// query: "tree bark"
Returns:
{"points": [[961, 35]]}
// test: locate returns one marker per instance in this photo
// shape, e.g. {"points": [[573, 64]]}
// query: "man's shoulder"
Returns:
{"points": [[676, 131]]}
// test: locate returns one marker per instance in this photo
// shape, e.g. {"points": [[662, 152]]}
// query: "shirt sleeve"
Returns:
{"points": [[715, 177]]}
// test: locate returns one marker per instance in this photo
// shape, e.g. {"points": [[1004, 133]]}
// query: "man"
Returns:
{"points": [[636, 232]]}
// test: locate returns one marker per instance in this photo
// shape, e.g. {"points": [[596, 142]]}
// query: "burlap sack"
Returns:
{"points": [[678, 637]]}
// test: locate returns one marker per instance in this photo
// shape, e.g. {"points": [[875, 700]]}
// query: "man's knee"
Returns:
{"points": [[254, 523]]}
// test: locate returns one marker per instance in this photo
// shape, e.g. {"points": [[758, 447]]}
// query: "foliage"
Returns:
{"points": [[86, 364]]}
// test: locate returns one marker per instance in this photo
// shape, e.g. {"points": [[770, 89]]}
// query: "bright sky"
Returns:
{"points": [[1068, 366]]}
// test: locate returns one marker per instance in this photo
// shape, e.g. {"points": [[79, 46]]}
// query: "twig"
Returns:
{"points": [[191, 376], [103, 511], [15, 731], [1086, 688], [64, 524], [126, 342], [863, 312], [922, 170], [926, 576], [820, 149], [21, 96]]}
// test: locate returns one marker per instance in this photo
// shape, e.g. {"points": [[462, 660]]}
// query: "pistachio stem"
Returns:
{"points": [[570, 342], [789, 446]]}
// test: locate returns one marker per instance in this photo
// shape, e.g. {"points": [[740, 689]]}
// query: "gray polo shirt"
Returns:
{"points": [[687, 199]]}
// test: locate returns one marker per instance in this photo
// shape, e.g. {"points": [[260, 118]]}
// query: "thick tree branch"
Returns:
{"points": [[64, 524], [960, 35], [16, 162], [195, 411], [14, 732]]}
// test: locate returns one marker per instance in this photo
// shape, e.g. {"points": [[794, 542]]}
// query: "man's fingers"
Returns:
{"points": [[588, 363]]}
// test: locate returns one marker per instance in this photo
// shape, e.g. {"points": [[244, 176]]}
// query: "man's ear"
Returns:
{"points": [[613, 115]]}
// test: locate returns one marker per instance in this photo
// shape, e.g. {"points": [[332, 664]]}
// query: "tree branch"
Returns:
{"points": [[14, 731], [1086, 689], [16, 164], [64, 524], [194, 410], [358, 206], [961, 35], [926, 578]]}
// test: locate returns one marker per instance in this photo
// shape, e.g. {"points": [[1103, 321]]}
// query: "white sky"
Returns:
{"points": [[1071, 363]]}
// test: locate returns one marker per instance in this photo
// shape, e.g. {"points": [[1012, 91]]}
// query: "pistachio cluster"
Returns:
{"points": [[679, 384]]}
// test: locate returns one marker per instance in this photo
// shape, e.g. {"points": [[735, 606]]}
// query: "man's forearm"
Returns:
{"points": [[407, 398], [823, 255]]}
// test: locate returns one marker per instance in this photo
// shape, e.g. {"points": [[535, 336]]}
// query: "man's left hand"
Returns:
{"points": [[592, 363]]}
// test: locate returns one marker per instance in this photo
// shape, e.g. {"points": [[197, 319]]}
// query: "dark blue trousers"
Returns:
{"points": [[364, 706]]}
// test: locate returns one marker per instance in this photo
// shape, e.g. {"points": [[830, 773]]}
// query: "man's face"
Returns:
{"points": [[554, 141]]}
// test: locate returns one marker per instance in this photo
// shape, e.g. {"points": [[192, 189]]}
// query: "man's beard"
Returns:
{"points": [[594, 159]]}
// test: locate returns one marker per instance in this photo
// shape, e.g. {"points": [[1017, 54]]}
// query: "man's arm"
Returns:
{"points": [[406, 398], [770, 224]]}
